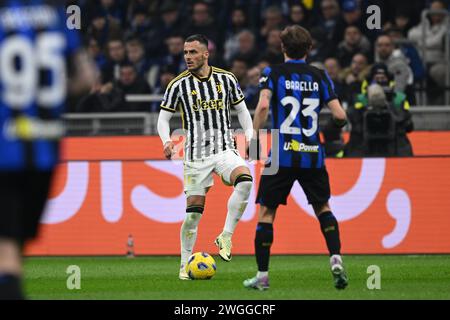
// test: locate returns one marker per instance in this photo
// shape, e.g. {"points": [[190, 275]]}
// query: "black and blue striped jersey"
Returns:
{"points": [[298, 94], [35, 45]]}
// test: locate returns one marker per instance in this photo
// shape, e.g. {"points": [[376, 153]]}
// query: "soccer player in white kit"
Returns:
{"points": [[204, 95]]}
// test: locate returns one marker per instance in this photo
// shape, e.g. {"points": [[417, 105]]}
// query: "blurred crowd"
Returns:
{"points": [[138, 44], [138, 48]]}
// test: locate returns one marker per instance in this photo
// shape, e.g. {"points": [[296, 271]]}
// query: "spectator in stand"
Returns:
{"points": [[436, 30], [409, 51], [273, 20], [167, 74], [116, 56], [354, 76], [262, 64], [131, 83], [332, 23], [247, 47], [175, 58], [115, 10], [140, 24], [95, 53], [251, 91], [151, 7], [332, 134], [333, 68], [136, 56], [351, 12], [215, 59], [396, 63], [170, 23], [202, 22], [354, 42], [273, 52], [239, 68], [102, 98], [238, 24], [320, 49], [402, 22], [299, 15], [103, 28]]}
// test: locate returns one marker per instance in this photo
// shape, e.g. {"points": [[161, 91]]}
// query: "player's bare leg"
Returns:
{"points": [[188, 234], [242, 180], [330, 231], [10, 270], [263, 242]]}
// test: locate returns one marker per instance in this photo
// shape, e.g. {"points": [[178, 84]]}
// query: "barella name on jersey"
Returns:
{"points": [[301, 85], [297, 146]]}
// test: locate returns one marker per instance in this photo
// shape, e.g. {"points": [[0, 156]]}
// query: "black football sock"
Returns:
{"points": [[10, 287], [263, 241], [330, 230]]}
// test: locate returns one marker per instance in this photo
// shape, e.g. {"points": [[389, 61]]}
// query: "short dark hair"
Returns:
{"points": [[128, 64], [134, 41], [198, 37], [115, 39], [296, 41]]}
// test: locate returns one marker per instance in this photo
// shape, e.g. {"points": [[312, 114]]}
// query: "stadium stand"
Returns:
{"points": [[147, 36]]}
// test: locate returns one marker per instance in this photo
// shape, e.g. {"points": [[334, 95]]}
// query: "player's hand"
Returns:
{"points": [[340, 123], [169, 149]]}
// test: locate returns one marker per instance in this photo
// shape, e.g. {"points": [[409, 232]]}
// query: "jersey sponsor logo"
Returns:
{"points": [[26, 128], [297, 146], [301, 85], [37, 16], [210, 104]]}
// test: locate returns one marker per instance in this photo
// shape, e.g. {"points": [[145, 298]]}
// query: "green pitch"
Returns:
{"points": [[291, 277]]}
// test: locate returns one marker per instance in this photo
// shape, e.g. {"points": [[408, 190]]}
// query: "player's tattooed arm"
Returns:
{"points": [[259, 121], [262, 110]]}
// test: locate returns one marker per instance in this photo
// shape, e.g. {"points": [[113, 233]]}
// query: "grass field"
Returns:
{"points": [[292, 277]]}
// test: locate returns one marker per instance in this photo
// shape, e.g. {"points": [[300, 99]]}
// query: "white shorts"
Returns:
{"points": [[198, 175]]}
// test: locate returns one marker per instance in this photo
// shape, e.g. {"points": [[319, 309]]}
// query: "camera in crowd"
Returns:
{"points": [[380, 119], [379, 124]]}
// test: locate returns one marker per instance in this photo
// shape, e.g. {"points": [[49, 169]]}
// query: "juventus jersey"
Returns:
{"points": [[204, 104]]}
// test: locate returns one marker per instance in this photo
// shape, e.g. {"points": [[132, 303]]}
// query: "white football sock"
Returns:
{"points": [[262, 274], [236, 206], [188, 235]]}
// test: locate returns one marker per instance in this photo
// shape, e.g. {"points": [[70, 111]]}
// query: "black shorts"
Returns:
{"points": [[22, 199], [274, 189]]}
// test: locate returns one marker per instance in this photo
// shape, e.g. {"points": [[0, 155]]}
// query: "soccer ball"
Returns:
{"points": [[201, 266]]}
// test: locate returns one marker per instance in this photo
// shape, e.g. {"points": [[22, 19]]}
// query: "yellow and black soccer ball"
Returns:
{"points": [[201, 266]]}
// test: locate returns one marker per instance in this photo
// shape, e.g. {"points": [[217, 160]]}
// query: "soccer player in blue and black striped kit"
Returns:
{"points": [[35, 48], [294, 92]]}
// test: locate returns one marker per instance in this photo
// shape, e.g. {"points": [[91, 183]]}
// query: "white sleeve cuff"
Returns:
{"points": [[164, 126]]}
